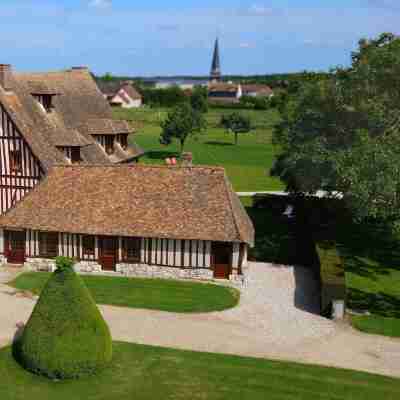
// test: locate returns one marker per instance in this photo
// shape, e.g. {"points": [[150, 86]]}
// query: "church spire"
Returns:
{"points": [[216, 65]]}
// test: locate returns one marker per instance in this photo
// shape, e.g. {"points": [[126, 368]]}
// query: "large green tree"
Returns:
{"points": [[236, 123], [342, 134], [182, 121], [199, 99]]}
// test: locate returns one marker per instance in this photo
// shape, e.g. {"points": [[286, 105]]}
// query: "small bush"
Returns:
{"points": [[333, 282], [66, 336]]}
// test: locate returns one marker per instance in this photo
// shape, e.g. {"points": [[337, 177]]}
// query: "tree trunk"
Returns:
{"points": [[182, 144], [236, 138]]}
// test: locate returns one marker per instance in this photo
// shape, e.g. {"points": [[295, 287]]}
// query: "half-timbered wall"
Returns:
{"points": [[15, 183], [161, 252]]}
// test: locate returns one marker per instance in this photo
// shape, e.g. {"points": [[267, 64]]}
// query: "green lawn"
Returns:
{"points": [[247, 164], [372, 262], [155, 294], [144, 372], [371, 258]]}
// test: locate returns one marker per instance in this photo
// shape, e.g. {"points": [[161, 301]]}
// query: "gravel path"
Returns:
{"points": [[276, 318]]}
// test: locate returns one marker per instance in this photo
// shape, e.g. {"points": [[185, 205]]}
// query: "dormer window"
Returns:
{"points": [[123, 140], [73, 154], [109, 144], [45, 100]]}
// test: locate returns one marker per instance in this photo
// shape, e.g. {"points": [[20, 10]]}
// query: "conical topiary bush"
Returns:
{"points": [[66, 336]]}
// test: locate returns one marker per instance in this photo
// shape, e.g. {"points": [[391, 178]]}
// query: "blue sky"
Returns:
{"points": [[168, 37]]}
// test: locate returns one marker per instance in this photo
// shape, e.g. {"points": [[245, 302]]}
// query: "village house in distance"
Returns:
{"points": [[70, 187], [229, 92], [119, 94]]}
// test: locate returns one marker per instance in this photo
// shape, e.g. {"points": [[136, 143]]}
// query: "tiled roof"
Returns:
{"points": [[223, 87], [257, 88], [135, 200], [110, 89]]}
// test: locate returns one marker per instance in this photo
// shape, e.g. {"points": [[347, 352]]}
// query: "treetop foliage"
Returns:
{"points": [[342, 133], [181, 122]]}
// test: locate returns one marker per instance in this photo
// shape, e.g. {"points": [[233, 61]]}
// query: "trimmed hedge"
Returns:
{"points": [[332, 274], [66, 336]]}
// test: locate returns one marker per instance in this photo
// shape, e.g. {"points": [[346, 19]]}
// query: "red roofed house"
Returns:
{"points": [[232, 92], [67, 188], [121, 94]]}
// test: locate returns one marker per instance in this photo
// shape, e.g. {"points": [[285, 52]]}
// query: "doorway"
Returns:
{"points": [[15, 247], [108, 253], [221, 259]]}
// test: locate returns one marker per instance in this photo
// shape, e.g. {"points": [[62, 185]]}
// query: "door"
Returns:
{"points": [[221, 259], [108, 253], [15, 246]]}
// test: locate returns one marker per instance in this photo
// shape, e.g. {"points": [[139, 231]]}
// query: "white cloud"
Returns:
{"points": [[100, 3], [246, 45], [260, 10]]}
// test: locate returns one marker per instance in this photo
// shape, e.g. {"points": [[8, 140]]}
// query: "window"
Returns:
{"points": [[75, 155], [48, 244], [123, 141], [88, 245], [109, 144], [46, 100], [15, 160], [131, 249]]}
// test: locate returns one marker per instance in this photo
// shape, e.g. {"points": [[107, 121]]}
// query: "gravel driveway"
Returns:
{"points": [[276, 318]]}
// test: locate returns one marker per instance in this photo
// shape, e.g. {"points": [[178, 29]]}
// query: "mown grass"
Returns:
{"points": [[155, 294], [378, 325], [372, 263], [247, 164], [144, 372]]}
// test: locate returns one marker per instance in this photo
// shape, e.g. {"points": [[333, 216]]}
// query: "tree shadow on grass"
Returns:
{"points": [[379, 303], [274, 241], [161, 155], [216, 143], [360, 267]]}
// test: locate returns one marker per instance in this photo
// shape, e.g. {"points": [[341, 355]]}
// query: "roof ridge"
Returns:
{"points": [[228, 187], [144, 166]]}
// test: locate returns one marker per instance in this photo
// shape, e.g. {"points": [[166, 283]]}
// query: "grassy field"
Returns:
{"points": [[155, 294], [147, 373], [247, 164]]}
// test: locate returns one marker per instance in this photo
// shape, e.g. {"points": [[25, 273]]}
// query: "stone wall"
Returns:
{"points": [[40, 264], [134, 270], [153, 271], [49, 265]]}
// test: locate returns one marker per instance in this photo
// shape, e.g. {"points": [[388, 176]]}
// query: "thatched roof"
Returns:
{"points": [[76, 100]]}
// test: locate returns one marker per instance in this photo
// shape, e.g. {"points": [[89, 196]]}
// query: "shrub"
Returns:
{"points": [[66, 336], [333, 283]]}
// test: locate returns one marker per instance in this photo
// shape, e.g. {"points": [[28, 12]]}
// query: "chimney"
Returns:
{"points": [[187, 159], [6, 77], [80, 68]]}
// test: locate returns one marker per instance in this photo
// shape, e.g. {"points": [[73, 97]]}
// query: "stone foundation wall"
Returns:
{"points": [[87, 267], [153, 271], [133, 270], [40, 264]]}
